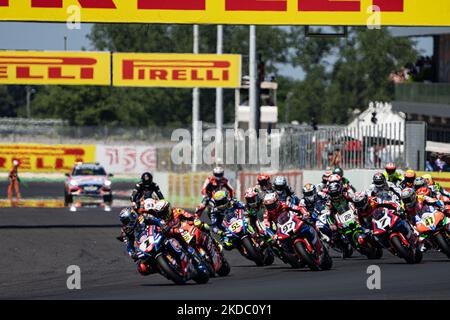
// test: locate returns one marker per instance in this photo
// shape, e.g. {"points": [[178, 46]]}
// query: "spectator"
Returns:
{"points": [[440, 163]]}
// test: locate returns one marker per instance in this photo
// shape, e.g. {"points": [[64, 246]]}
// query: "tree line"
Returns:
{"points": [[339, 76]]}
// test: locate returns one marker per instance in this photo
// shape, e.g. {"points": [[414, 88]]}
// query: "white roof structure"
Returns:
{"points": [[389, 123]]}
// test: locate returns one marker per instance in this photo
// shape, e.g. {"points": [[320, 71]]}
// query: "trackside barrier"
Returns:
{"points": [[184, 190]]}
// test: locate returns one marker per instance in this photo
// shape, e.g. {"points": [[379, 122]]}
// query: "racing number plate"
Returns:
{"points": [[235, 226], [187, 236], [347, 217], [287, 227]]}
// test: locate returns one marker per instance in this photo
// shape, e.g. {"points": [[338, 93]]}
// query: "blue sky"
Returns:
{"points": [[50, 36]]}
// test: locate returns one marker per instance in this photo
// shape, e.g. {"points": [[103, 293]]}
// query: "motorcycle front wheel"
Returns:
{"points": [[307, 257], [169, 271], [252, 252], [443, 244]]}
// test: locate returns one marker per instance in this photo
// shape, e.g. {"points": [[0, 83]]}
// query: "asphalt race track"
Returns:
{"points": [[39, 244]]}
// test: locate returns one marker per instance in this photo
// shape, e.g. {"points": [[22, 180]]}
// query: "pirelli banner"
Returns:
{"points": [[129, 69], [273, 12], [44, 158], [64, 68], [177, 70]]}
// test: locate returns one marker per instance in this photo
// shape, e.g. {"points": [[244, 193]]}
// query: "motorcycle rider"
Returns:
{"points": [[392, 175], [274, 208], [223, 206], [414, 203], [146, 185], [313, 200], [435, 187], [381, 188], [216, 182], [338, 200], [415, 206], [133, 225], [172, 217], [345, 182], [335, 178], [213, 184], [419, 183], [285, 192], [264, 185], [408, 181], [366, 206], [322, 186], [253, 207]]}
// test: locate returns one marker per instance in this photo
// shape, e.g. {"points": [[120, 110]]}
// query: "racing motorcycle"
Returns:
{"points": [[330, 234], [292, 233], [207, 248], [349, 228], [166, 256], [389, 230], [431, 227], [235, 224]]}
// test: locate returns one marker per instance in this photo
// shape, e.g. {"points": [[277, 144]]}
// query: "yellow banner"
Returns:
{"points": [[65, 68], [443, 178], [44, 158], [177, 70], [275, 12]]}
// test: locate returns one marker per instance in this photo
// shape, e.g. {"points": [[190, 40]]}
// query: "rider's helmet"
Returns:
{"points": [[334, 178], [339, 172], [410, 176], [326, 176], [361, 200], [129, 219], [419, 183], [409, 197], [379, 180], [221, 199], [161, 209], [423, 191], [263, 180], [15, 163], [309, 193], [335, 190], [280, 183], [252, 198], [390, 168], [428, 179], [146, 179], [218, 172], [271, 201]]}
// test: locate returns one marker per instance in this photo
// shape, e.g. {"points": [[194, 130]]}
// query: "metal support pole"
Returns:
{"points": [[219, 102], [28, 98], [196, 134], [253, 79]]}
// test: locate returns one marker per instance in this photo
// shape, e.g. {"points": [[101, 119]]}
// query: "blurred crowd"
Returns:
{"points": [[438, 163], [421, 71]]}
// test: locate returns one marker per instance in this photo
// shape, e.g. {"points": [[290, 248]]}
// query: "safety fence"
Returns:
{"points": [[363, 147], [132, 150]]}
